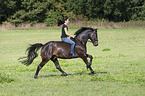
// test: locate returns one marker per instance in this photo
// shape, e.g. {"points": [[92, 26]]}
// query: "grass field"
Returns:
{"points": [[119, 60]]}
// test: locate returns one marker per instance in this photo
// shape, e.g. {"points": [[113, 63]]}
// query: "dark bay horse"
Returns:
{"points": [[57, 49]]}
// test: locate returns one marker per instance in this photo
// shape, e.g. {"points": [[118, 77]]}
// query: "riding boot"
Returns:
{"points": [[73, 55]]}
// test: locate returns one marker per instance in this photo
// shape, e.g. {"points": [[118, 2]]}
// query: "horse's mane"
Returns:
{"points": [[82, 29]]}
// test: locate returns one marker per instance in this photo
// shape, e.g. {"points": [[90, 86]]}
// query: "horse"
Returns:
{"points": [[53, 50]]}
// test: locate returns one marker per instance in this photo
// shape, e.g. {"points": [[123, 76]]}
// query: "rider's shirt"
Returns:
{"points": [[63, 35]]}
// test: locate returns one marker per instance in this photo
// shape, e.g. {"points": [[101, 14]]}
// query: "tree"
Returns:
{"points": [[137, 9], [7, 8], [31, 11], [120, 10], [116, 10], [112, 10], [39, 11], [88, 8]]}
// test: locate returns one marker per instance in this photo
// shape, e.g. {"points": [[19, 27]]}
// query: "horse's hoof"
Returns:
{"points": [[35, 76], [94, 73], [68, 75], [64, 74]]}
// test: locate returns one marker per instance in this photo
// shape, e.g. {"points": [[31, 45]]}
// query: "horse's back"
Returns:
{"points": [[62, 45], [57, 43], [57, 48]]}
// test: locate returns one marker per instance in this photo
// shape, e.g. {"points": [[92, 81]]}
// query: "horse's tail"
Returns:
{"points": [[32, 53]]}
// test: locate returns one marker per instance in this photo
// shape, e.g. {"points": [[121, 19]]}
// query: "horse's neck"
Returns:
{"points": [[82, 40]]}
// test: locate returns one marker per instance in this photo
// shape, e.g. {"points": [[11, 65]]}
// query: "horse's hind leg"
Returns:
{"points": [[55, 61], [39, 67]]}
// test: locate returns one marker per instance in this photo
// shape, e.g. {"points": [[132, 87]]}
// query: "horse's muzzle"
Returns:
{"points": [[95, 43]]}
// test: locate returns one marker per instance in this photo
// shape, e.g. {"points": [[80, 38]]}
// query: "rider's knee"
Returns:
{"points": [[73, 43]]}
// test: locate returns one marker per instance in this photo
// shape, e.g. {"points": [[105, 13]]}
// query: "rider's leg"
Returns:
{"points": [[70, 42]]}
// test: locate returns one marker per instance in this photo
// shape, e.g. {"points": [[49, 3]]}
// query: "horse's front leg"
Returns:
{"points": [[91, 58], [88, 64]]}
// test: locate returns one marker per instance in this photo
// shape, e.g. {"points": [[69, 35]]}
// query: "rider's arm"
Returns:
{"points": [[65, 29]]}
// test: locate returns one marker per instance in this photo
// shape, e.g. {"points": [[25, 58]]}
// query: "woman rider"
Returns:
{"points": [[65, 34]]}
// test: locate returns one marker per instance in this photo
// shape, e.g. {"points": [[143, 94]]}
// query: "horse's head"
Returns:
{"points": [[86, 33], [94, 37]]}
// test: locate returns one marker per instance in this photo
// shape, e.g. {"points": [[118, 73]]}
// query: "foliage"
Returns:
{"points": [[52, 17], [57, 11], [30, 12], [88, 8], [7, 8], [138, 10], [113, 10], [40, 11]]}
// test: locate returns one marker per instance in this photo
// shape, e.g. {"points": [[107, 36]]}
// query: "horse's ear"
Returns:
{"points": [[96, 29]]}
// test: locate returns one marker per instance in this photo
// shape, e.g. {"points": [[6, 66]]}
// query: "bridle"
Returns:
{"points": [[92, 37]]}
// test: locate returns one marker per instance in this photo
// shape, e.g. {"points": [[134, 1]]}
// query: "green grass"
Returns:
{"points": [[119, 61]]}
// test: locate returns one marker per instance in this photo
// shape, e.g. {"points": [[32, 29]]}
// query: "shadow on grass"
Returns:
{"points": [[84, 73], [71, 74]]}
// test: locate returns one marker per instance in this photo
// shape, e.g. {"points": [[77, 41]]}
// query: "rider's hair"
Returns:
{"points": [[61, 21]]}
